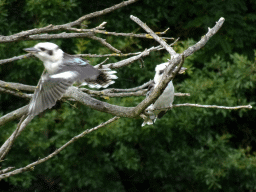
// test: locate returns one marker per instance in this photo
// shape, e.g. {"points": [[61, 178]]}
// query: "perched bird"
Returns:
{"points": [[62, 70], [165, 100]]}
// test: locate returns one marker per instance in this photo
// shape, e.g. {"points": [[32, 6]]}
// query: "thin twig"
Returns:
{"points": [[98, 13], [108, 55], [8, 143], [212, 106], [205, 38], [205, 106], [156, 37], [146, 36], [105, 43], [25, 35], [15, 58], [129, 60], [31, 166]]}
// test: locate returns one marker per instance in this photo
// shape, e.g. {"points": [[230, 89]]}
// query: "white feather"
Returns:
{"points": [[165, 100], [65, 75]]}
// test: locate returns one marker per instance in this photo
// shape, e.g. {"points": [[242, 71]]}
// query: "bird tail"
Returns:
{"points": [[149, 119], [105, 78]]}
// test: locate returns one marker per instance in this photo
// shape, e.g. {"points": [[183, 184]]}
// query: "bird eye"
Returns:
{"points": [[161, 72], [42, 49], [50, 52]]}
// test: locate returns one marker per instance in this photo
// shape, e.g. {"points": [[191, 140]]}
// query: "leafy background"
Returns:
{"points": [[190, 149]]}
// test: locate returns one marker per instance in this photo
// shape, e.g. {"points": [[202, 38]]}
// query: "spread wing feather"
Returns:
{"points": [[49, 90]]}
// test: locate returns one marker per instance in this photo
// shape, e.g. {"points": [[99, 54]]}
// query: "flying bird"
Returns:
{"points": [[165, 100], [62, 70]]}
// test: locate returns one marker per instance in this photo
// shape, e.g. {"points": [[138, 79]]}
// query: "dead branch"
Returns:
{"points": [[205, 38], [129, 60], [105, 43], [212, 106], [24, 35], [6, 170], [13, 115], [108, 55], [31, 166], [156, 37], [16, 86], [15, 58], [18, 93], [8, 143]]}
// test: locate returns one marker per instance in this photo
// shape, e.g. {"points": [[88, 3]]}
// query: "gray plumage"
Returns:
{"points": [[62, 70]]}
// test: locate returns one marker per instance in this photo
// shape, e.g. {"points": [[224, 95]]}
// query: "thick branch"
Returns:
{"points": [[85, 99], [6, 170], [13, 115], [17, 86], [18, 93]]}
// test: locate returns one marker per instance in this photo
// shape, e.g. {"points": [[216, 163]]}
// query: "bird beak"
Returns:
{"points": [[182, 70], [31, 50]]}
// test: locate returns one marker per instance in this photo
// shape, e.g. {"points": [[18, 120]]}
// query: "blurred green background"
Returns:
{"points": [[189, 149]]}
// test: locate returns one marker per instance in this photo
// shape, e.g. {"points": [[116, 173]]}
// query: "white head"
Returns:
{"points": [[159, 72], [46, 52]]}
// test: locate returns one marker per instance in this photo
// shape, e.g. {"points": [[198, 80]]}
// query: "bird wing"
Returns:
{"points": [[86, 72], [50, 89], [151, 87], [82, 67]]}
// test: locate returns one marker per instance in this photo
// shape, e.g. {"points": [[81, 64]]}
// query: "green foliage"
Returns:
{"points": [[189, 149]]}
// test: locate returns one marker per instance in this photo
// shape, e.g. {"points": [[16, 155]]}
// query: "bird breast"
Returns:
{"points": [[167, 97], [51, 67]]}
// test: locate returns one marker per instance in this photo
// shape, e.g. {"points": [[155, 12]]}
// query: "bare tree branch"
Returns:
{"points": [[24, 35], [13, 115], [15, 58], [6, 170], [16, 93], [104, 42], [17, 86], [156, 37], [98, 13], [113, 90], [181, 94], [108, 55], [212, 106], [205, 38], [129, 60], [8, 143], [85, 99], [62, 35], [146, 36], [136, 91], [31, 166]]}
